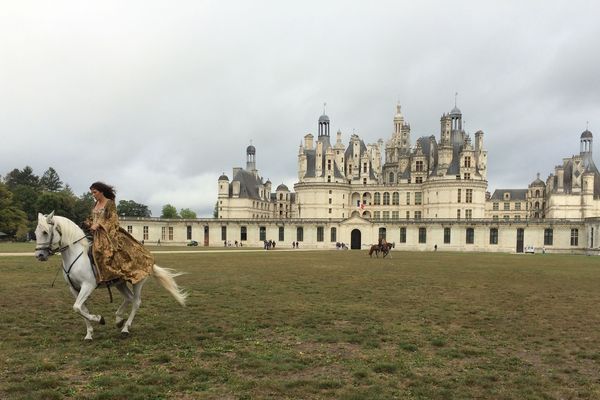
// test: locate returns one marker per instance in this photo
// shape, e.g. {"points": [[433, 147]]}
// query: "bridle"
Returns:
{"points": [[47, 246]]}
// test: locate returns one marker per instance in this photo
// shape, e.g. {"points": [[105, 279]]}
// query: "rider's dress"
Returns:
{"points": [[116, 253]]}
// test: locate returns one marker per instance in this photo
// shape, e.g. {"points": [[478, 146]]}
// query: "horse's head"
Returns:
{"points": [[47, 236]]}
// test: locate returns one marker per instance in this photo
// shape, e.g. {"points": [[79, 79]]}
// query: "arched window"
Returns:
{"points": [[537, 205], [395, 198], [391, 179], [537, 193], [377, 198], [386, 199]]}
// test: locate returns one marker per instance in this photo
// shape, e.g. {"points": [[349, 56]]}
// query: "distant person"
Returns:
{"points": [[435, 248], [158, 242]]}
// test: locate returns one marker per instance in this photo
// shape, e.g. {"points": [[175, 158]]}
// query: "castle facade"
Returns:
{"points": [[430, 195]]}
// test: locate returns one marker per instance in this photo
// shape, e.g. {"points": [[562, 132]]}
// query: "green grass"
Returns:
{"points": [[315, 325]]}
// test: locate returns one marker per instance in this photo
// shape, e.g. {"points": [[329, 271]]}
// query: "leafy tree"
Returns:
{"points": [[25, 197], [13, 221], [169, 212], [50, 181], [82, 208], [187, 213], [216, 210], [60, 202], [26, 177], [129, 208]]}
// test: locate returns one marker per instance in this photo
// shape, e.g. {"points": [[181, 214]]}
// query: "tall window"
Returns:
{"points": [[408, 215], [377, 198], [281, 234], [364, 167], [320, 233], [470, 236], [468, 195], [467, 162], [382, 233], [574, 237], [395, 198], [386, 215], [376, 214], [170, 233], [495, 206], [189, 232], [548, 237], [300, 234], [418, 198], [419, 166], [447, 232], [457, 214], [458, 198], [243, 233], [391, 178], [395, 215], [145, 230], [402, 235], [468, 214], [493, 235], [422, 235], [506, 206], [163, 233], [407, 198], [333, 237], [262, 233], [518, 206], [386, 199], [417, 214]]}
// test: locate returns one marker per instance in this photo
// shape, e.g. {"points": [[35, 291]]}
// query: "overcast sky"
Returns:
{"points": [[160, 97]]}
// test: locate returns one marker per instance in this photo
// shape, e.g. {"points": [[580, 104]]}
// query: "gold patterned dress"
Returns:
{"points": [[116, 253]]}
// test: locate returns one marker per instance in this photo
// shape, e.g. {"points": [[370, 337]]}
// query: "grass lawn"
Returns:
{"points": [[315, 325]]}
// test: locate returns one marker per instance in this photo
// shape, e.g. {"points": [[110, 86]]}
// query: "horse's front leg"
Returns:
{"points": [[135, 305], [88, 324], [127, 299], [79, 306]]}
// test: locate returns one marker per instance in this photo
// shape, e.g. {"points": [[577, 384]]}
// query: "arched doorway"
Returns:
{"points": [[355, 239]]}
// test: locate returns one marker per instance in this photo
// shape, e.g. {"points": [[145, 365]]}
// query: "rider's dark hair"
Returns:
{"points": [[107, 190]]}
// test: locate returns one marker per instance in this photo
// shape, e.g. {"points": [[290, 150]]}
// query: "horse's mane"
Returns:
{"points": [[70, 232]]}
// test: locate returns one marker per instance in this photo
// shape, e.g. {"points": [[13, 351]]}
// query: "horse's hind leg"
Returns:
{"points": [[88, 324], [135, 305], [121, 314]]}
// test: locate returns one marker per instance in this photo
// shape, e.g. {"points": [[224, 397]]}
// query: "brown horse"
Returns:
{"points": [[384, 249]]}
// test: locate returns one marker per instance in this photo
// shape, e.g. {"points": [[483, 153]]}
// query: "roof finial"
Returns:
{"points": [[587, 125], [455, 96], [324, 108], [538, 175]]}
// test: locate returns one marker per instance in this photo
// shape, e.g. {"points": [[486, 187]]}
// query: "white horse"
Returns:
{"points": [[56, 234]]}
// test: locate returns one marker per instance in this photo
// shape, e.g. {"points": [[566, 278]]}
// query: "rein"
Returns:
{"points": [[48, 245]]}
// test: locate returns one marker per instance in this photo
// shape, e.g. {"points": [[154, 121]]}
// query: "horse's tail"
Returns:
{"points": [[165, 277], [371, 250]]}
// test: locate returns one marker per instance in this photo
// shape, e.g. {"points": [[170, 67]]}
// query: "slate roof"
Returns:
{"points": [[249, 184], [515, 194]]}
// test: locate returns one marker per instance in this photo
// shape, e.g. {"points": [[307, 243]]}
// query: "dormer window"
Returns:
{"points": [[506, 196]]}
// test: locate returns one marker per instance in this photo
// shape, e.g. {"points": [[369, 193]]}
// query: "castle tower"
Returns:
{"points": [[251, 158], [323, 127]]}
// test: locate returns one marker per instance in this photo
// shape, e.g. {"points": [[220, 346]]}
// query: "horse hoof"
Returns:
{"points": [[102, 321], [124, 335], [120, 323]]}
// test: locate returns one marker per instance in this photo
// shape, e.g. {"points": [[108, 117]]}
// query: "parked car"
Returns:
{"points": [[192, 243], [530, 249]]}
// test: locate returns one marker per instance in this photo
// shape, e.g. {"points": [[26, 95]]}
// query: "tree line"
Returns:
{"points": [[23, 195]]}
